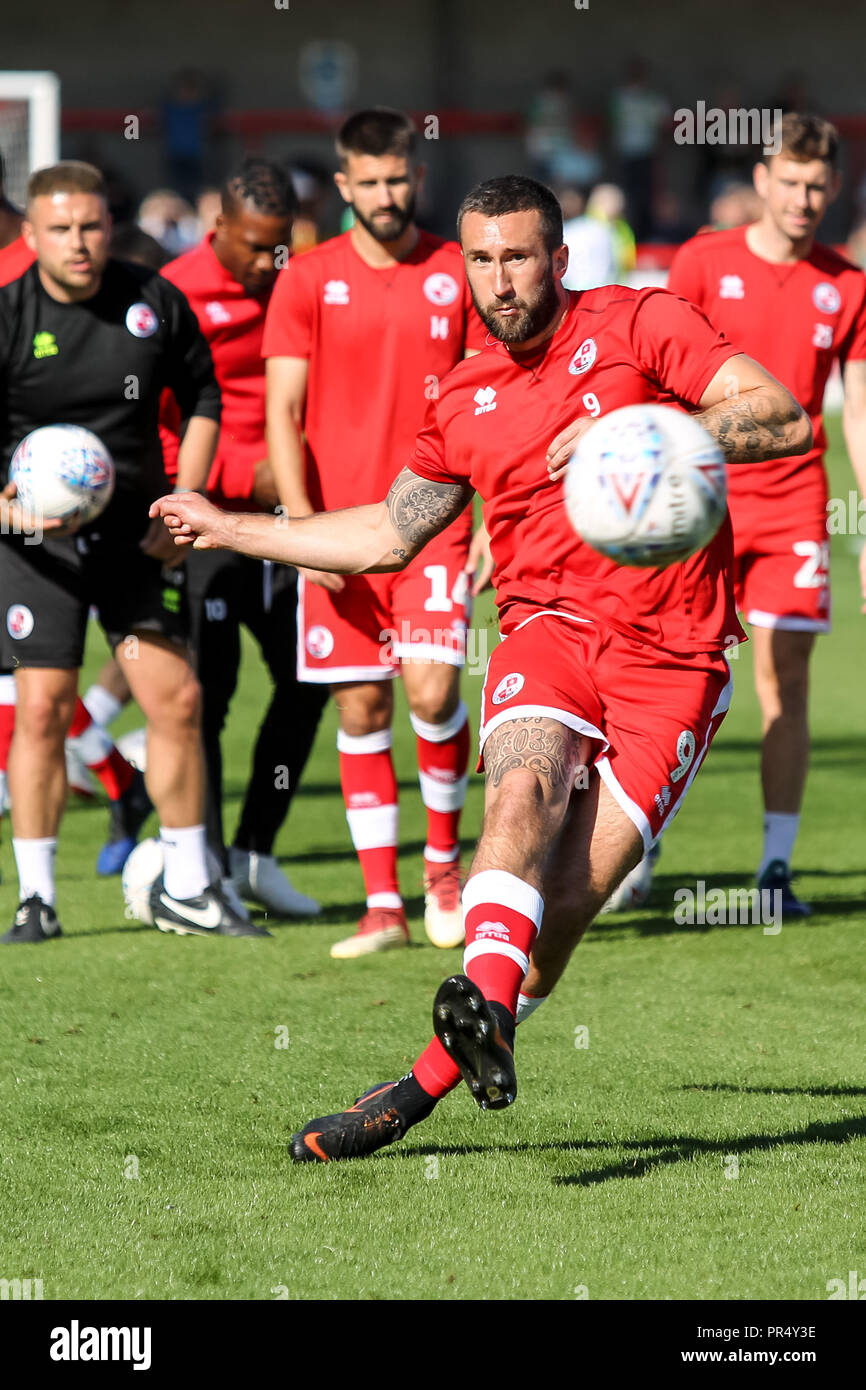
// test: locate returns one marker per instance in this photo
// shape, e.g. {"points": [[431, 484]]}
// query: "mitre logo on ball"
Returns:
{"points": [[141, 320], [441, 288]]}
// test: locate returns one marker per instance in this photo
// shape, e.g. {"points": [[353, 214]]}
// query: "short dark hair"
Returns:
{"points": [[129, 242], [264, 184], [804, 137], [69, 176], [516, 193], [376, 131]]}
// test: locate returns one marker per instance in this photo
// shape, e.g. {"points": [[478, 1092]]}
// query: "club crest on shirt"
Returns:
{"points": [[508, 687], [732, 287], [826, 298], [584, 358], [320, 641], [441, 288], [141, 320], [336, 292], [19, 621]]}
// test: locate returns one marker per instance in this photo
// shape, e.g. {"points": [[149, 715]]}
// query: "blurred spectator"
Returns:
{"points": [[670, 223], [591, 253], [10, 216], [187, 120], [130, 243], [207, 209], [735, 206], [607, 204], [171, 220], [560, 149], [312, 183], [856, 247], [637, 116]]}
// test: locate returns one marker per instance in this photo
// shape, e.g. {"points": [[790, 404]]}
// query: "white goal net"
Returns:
{"points": [[29, 127]]}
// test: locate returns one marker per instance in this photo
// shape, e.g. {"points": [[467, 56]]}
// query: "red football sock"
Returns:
{"points": [[502, 914], [370, 794], [99, 754], [443, 757], [435, 1071]]}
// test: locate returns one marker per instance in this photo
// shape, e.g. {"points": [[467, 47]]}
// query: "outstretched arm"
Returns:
{"points": [[358, 540]]}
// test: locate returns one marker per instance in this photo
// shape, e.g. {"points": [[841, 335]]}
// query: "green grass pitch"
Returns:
{"points": [[690, 1123]]}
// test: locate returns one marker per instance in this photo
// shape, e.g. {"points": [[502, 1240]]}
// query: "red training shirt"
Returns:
{"points": [[232, 322], [378, 342], [492, 425], [14, 260], [794, 319]]}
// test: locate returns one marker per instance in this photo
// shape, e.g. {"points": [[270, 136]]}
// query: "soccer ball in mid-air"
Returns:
{"points": [[63, 473], [646, 486], [140, 872]]}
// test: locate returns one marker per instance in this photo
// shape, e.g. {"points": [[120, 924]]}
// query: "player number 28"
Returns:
{"points": [[813, 574]]}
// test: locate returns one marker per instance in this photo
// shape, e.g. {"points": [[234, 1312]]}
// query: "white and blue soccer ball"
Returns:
{"points": [[63, 473], [646, 486], [140, 872]]}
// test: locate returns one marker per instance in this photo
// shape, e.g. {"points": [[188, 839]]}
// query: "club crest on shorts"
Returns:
{"points": [[19, 621], [584, 358], [320, 641], [141, 320], [826, 298], [508, 687], [441, 288]]}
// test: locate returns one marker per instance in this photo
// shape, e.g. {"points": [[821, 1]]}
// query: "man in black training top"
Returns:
{"points": [[90, 341]]}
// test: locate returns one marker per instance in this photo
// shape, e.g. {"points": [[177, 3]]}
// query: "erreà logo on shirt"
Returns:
{"points": [[485, 400], [217, 313], [336, 292], [44, 345], [731, 287]]}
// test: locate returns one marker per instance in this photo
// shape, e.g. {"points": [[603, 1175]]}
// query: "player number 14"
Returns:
{"points": [[439, 601]]}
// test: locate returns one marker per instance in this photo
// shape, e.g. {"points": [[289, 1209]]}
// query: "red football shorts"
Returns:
{"points": [[379, 620], [651, 715], [782, 556]]}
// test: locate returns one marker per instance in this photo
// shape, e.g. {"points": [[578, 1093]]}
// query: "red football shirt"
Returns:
{"points": [[232, 322], [492, 425], [14, 260], [378, 342], [793, 319]]}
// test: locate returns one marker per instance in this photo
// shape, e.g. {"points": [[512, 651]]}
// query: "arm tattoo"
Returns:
{"points": [[542, 745], [419, 509], [754, 426]]}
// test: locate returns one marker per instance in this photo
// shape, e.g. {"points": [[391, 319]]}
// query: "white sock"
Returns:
{"points": [[94, 745], [185, 863], [527, 1004], [8, 694], [101, 705], [2, 792], [780, 832], [35, 862]]}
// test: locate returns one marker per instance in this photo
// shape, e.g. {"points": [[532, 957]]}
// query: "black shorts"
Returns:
{"points": [[48, 590]]}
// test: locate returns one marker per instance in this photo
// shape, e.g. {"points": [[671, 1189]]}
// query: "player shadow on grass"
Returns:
{"points": [[666, 1150]]}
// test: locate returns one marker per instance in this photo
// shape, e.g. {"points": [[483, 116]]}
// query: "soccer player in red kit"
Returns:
{"points": [[228, 280], [797, 307], [601, 700], [359, 332]]}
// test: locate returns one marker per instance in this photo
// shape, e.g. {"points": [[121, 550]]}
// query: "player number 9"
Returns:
{"points": [[591, 403]]}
